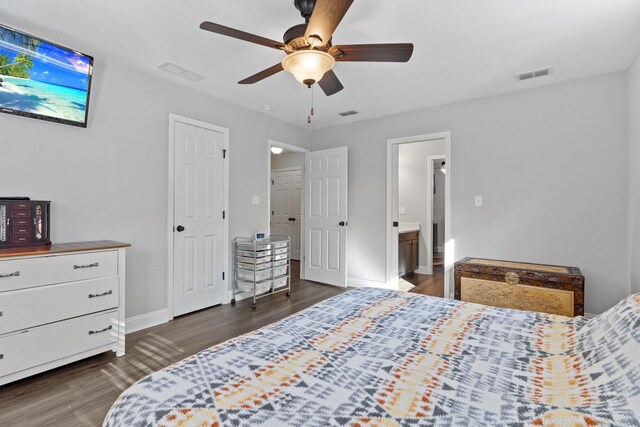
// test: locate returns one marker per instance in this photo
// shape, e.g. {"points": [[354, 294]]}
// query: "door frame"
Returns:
{"points": [[392, 200], [295, 149], [430, 185], [173, 119]]}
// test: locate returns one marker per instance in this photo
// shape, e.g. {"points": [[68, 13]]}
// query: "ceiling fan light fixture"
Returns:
{"points": [[308, 66]]}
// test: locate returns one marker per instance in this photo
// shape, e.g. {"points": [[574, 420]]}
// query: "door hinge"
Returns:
{"points": [[223, 275], [224, 215], [273, 182], [224, 154]]}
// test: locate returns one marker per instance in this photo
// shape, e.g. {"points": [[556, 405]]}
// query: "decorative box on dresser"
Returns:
{"points": [[59, 304], [549, 289]]}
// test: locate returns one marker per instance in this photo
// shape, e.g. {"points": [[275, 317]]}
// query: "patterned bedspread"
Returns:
{"points": [[373, 357]]}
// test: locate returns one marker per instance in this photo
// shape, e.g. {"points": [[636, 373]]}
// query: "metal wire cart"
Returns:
{"points": [[261, 266]]}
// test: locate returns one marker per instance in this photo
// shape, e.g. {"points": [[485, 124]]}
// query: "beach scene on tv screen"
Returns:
{"points": [[40, 78]]}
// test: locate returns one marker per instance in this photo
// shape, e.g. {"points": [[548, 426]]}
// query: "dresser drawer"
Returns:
{"points": [[22, 273], [21, 205], [82, 266], [20, 213], [21, 230], [21, 222], [28, 308], [20, 238], [41, 345]]}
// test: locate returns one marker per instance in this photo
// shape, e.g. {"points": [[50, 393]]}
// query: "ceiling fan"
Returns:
{"points": [[311, 55]]}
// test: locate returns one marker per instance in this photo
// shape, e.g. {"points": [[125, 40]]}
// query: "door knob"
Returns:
{"points": [[180, 229], [342, 223], [293, 219]]}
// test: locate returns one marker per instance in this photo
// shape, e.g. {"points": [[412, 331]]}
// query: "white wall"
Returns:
{"points": [[110, 181], [413, 191], [287, 160], [551, 163], [633, 77]]}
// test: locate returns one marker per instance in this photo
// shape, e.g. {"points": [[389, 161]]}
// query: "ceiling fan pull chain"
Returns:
{"points": [[312, 100], [309, 116]]}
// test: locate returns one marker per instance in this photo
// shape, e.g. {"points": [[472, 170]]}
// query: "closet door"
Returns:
{"points": [[281, 202], [199, 244]]}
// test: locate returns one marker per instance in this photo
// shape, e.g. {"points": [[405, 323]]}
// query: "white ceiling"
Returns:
{"points": [[464, 49]]}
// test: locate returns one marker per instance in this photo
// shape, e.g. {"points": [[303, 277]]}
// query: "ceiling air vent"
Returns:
{"points": [[348, 113], [534, 74], [181, 72]]}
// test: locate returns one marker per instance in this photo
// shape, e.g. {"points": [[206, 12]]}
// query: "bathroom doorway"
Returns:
{"points": [[418, 209]]}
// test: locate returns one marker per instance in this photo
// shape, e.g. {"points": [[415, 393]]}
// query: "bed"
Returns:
{"points": [[373, 357]]}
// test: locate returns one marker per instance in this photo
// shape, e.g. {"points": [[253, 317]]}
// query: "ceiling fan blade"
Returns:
{"points": [[325, 18], [237, 34], [262, 75], [391, 52], [330, 83]]}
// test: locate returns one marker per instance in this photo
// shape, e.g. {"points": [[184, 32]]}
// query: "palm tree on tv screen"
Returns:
{"points": [[22, 62], [20, 66], [18, 39]]}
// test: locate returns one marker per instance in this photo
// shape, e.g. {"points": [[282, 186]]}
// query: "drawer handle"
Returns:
{"points": [[512, 278], [101, 331], [100, 295], [14, 274], [95, 264]]}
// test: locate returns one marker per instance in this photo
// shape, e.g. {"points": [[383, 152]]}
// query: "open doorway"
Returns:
{"points": [[417, 229], [419, 247], [286, 196]]}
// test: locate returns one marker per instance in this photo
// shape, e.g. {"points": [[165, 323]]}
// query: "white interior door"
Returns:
{"points": [[198, 218], [296, 213], [281, 202], [286, 190], [326, 216]]}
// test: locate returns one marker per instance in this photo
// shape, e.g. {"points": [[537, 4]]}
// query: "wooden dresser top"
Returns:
{"points": [[62, 248]]}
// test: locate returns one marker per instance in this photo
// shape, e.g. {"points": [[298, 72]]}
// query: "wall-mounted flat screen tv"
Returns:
{"points": [[43, 80]]}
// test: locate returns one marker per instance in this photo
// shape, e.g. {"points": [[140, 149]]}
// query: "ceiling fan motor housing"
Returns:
{"points": [[294, 36]]}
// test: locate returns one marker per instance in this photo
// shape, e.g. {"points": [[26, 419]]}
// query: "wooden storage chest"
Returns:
{"points": [[524, 286]]}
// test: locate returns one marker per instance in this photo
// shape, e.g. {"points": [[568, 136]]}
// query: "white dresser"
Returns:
{"points": [[59, 304]]}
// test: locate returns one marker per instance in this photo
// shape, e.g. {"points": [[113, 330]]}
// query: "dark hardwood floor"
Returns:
{"points": [[429, 285], [426, 284], [80, 394]]}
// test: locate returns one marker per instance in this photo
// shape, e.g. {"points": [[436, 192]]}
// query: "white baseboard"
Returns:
{"points": [[353, 282], [422, 270], [147, 320]]}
